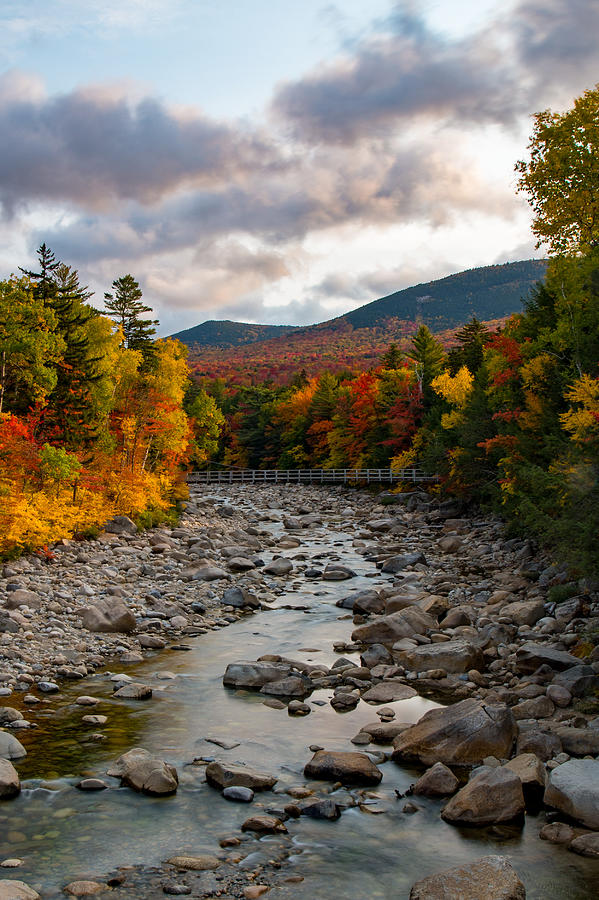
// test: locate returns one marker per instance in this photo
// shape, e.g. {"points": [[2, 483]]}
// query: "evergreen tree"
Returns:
{"points": [[392, 358], [429, 357], [125, 307], [471, 339], [44, 280]]}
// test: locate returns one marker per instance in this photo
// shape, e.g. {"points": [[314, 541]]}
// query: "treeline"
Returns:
{"points": [[94, 418], [508, 419]]}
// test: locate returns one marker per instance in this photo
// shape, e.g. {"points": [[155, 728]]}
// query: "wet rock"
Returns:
{"points": [[452, 656], [383, 732], [139, 770], [264, 825], [492, 795], [108, 614], [238, 794], [85, 888], [222, 775], [10, 786], [489, 878], [368, 603], [531, 772], [586, 845], [293, 686], [194, 863], [557, 833], [151, 642], [348, 768], [297, 708], [438, 781], [375, 655], [91, 784], [320, 809], [245, 674], [573, 788], [461, 734], [337, 572], [388, 692], [133, 691]]}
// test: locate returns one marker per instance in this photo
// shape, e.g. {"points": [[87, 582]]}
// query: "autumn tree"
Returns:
{"points": [[561, 177]]}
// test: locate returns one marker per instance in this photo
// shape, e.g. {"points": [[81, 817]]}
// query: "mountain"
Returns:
{"points": [[225, 334], [358, 339], [489, 292]]}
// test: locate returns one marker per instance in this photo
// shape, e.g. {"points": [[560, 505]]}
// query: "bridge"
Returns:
{"points": [[309, 476]]}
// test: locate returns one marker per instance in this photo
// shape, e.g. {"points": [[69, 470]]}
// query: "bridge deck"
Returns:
{"points": [[308, 476]]}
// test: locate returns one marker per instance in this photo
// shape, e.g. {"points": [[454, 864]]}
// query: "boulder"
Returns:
{"points": [[531, 772], [337, 572], [368, 603], [438, 781], [264, 825], [209, 573], [108, 614], [399, 563], [133, 691], [374, 655], [453, 656], [383, 732], [346, 767], [139, 770], [531, 655], [292, 686], [246, 674], [223, 775], [121, 525], [279, 566], [389, 629], [489, 878], [240, 564], [459, 735], [10, 786], [578, 680], [543, 744], [586, 845], [16, 890], [10, 747], [573, 788], [579, 741], [388, 692], [22, 597], [492, 795], [535, 708], [524, 612], [238, 597]]}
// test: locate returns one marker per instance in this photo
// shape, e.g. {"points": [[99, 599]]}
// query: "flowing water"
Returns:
{"points": [[373, 851]]}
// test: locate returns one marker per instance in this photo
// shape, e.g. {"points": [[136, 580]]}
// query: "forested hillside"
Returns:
{"points": [[357, 339], [224, 334]]}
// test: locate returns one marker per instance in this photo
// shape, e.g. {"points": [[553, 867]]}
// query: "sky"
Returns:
{"points": [[276, 162]]}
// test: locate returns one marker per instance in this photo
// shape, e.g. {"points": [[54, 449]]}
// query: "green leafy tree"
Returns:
{"points": [[561, 177], [125, 307]]}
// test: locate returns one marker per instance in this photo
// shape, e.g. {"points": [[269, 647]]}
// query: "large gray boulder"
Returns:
{"points": [[459, 735], [121, 525], [348, 768], [438, 781], [139, 770], [108, 614], [224, 775], [573, 788], [10, 786], [492, 795], [489, 878], [247, 674], [389, 629], [453, 656], [279, 566]]}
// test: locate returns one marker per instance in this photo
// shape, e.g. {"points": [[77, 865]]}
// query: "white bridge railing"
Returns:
{"points": [[309, 476]]}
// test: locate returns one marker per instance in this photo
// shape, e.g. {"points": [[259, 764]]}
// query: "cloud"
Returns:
{"points": [[494, 75], [95, 148]]}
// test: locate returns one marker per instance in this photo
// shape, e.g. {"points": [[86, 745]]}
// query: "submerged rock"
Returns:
{"points": [[139, 770]]}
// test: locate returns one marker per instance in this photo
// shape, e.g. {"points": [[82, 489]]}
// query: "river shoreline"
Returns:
{"points": [[466, 565]]}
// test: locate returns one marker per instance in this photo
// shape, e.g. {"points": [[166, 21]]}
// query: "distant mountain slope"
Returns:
{"points": [[488, 292], [229, 334]]}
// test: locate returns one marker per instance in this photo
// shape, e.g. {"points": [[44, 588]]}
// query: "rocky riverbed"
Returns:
{"points": [[452, 611]]}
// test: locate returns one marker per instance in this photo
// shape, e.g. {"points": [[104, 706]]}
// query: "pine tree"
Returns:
{"points": [[429, 357], [392, 358], [471, 339], [44, 281], [125, 307]]}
